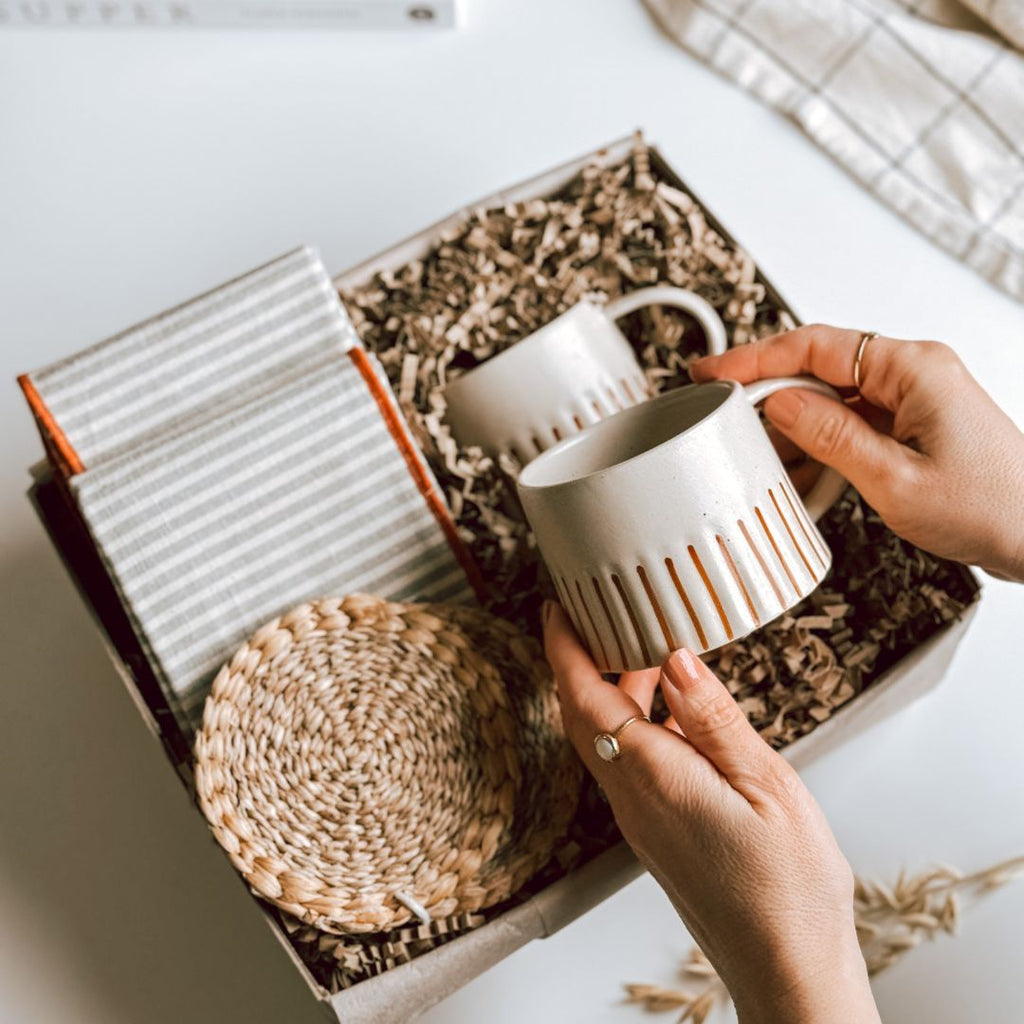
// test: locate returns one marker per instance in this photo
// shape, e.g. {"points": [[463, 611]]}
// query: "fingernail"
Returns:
{"points": [[545, 611], [784, 407], [682, 670]]}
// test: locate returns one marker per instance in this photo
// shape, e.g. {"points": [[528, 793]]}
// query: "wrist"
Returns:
{"points": [[1013, 568], [833, 990], [1006, 537], [1007, 560]]}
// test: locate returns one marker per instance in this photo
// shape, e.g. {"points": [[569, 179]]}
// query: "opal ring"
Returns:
{"points": [[607, 743]]}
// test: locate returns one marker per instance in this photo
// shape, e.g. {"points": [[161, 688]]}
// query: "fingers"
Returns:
{"points": [[714, 725], [824, 352], [590, 704], [805, 476], [831, 433], [836, 435], [641, 686], [787, 452]]}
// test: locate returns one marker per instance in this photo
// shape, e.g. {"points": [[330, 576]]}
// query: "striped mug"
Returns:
{"points": [[674, 524], [569, 374]]}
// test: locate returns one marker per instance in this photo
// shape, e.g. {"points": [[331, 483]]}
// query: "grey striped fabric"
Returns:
{"points": [[218, 351], [211, 533], [236, 464]]}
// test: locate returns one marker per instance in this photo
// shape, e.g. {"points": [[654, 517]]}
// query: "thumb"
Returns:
{"points": [[834, 434], [713, 723]]}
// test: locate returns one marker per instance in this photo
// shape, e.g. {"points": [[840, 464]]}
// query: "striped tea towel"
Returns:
{"points": [[919, 99], [169, 374], [303, 492]]}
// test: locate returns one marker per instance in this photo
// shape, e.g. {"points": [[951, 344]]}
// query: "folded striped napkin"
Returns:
{"points": [[225, 497], [166, 375]]}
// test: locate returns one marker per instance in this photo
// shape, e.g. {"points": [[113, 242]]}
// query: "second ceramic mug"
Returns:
{"points": [[674, 524], [571, 373]]}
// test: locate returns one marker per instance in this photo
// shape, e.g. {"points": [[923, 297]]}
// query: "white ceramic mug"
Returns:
{"points": [[674, 524], [572, 373]]}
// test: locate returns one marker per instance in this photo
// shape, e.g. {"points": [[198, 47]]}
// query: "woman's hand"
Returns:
{"points": [[928, 449], [728, 830]]}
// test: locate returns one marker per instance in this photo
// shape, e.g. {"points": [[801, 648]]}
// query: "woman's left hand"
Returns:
{"points": [[727, 829]]}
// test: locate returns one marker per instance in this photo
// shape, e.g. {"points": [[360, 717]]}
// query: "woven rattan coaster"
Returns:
{"points": [[364, 762]]}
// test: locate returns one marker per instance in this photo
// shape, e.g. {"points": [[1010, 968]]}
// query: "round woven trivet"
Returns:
{"points": [[362, 760]]}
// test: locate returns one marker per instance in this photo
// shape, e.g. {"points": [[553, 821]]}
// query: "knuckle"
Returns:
{"points": [[820, 336], [832, 436], [785, 782], [908, 355], [769, 774], [806, 337], [817, 331], [938, 352], [900, 476], [717, 713], [808, 332], [918, 356]]}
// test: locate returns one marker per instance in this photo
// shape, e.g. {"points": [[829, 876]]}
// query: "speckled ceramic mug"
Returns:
{"points": [[674, 524], [573, 372]]}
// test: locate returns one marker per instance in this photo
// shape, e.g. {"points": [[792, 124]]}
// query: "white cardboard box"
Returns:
{"points": [[404, 991], [411, 15]]}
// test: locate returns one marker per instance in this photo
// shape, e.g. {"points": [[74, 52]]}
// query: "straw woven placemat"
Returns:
{"points": [[365, 762]]}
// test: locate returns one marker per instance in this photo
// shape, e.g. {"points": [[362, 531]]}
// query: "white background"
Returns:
{"points": [[137, 169]]}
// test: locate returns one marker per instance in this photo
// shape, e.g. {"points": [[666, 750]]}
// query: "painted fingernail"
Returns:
{"points": [[682, 669], [784, 407]]}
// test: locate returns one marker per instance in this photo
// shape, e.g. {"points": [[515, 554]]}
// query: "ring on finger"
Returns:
{"points": [[607, 743], [864, 339]]}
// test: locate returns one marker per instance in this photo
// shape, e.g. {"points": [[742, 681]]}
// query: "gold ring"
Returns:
{"points": [[864, 339], [607, 743]]}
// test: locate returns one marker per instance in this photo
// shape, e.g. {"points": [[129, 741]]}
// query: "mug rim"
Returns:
{"points": [[587, 436], [523, 346]]}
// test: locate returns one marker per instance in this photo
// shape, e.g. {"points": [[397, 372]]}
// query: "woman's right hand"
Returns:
{"points": [[926, 446]]}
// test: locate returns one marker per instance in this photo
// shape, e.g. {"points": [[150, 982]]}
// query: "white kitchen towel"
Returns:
{"points": [[303, 492], [919, 99], [215, 352]]}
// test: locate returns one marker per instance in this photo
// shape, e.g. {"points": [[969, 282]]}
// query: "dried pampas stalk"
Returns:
{"points": [[697, 1006], [891, 921]]}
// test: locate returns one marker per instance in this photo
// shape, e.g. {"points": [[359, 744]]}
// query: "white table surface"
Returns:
{"points": [[137, 169]]}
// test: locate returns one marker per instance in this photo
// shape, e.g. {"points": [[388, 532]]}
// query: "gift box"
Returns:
{"points": [[402, 986], [332, 14]]}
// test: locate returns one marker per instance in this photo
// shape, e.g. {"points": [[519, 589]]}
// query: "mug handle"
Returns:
{"points": [[830, 484], [667, 295]]}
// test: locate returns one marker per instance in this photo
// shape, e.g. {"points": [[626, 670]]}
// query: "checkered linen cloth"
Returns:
{"points": [[922, 102], [239, 455], [1005, 16]]}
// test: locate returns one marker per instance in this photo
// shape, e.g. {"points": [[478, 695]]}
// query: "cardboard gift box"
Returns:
{"points": [[409, 15], [402, 991]]}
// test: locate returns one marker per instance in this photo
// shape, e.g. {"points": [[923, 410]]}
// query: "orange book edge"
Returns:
{"points": [[65, 456], [418, 471]]}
